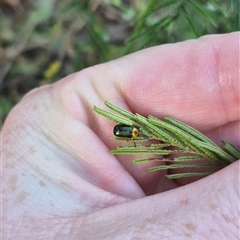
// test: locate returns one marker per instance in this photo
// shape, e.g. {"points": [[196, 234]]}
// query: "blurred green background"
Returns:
{"points": [[45, 40]]}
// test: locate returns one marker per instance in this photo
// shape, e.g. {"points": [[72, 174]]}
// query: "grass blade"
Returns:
{"points": [[231, 149], [195, 133], [113, 117], [192, 174]]}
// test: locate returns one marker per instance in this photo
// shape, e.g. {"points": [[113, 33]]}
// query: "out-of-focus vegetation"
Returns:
{"points": [[45, 40]]}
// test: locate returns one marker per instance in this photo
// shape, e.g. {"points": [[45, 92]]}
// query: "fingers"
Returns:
{"points": [[43, 127], [197, 80]]}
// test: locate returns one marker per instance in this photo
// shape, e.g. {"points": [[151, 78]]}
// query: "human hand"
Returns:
{"points": [[60, 182]]}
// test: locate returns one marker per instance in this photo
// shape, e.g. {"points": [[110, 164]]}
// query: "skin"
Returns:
{"points": [[60, 182]]}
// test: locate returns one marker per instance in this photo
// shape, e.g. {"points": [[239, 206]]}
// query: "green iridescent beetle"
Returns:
{"points": [[122, 130]]}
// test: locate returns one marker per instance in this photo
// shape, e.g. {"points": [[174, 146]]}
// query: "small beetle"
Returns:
{"points": [[122, 130]]}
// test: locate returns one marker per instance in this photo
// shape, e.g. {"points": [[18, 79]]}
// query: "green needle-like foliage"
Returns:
{"points": [[174, 143]]}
